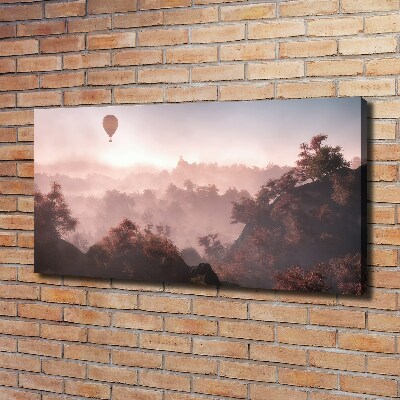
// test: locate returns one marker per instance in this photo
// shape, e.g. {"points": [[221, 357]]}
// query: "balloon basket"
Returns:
{"points": [[110, 140]]}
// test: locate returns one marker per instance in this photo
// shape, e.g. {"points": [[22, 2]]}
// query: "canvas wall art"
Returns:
{"points": [[260, 194]]}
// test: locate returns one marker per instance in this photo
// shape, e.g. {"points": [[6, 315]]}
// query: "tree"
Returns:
{"points": [[243, 211], [297, 279], [52, 214], [317, 160], [213, 247], [189, 185]]}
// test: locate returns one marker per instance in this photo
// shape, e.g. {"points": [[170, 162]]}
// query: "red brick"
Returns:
{"points": [[42, 28], [7, 135], [66, 9], [218, 73], [111, 40], [222, 33], [16, 117], [123, 393], [27, 292], [384, 365], [190, 326], [87, 96], [21, 12], [306, 378], [138, 358], [196, 365], [16, 256], [62, 44], [276, 29], [8, 344], [252, 11], [8, 309], [7, 100], [113, 337], [197, 93], [16, 221], [260, 392], [9, 168], [164, 342], [25, 170], [247, 371], [163, 380], [25, 204], [87, 389], [138, 20], [116, 77], [7, 204], [188, 55], [279, 354], [14, 82], [112, 300], [138, 321], [139, 95], [308, 7], [265, 312], [40, 311], [25, 134], [8, 378], [137, 57], [163, 37], [223, 348], [366, 342], [307, 337], [39, 347], [246, 92], [7, 65], [63, 332], [106, 6], [63, 295], [89, 60], [19, 362], [220, 387], [39, 99], [86, 353], [340, 361], [340, 318], [353, 6], [63, 79], [163, 75], [38, 382], [8, 273], [19, 328], [191, 16], [368, 385], [16, 152], [155, 4], [87, 317], [41, 63], [64, 368], [164, 304], [13, 394], [7, 31], [89, 24]]}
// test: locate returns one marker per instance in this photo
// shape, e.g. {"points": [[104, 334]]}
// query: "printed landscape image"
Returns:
{"points": [[263, 194]]}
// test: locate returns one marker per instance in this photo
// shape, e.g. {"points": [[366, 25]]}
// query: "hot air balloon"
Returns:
{"points": [[110, 125]]}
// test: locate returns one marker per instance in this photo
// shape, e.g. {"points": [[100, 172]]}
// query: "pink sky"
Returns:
{"points": [[73, 141]]}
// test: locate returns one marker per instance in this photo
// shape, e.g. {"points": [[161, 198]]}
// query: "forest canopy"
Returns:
{"points": [[287, 236]]}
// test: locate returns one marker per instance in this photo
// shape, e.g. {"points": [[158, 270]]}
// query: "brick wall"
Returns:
{"points": [[69, 338]]}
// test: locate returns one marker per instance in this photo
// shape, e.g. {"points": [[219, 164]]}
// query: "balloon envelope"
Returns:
{"points": [[110, 124]]}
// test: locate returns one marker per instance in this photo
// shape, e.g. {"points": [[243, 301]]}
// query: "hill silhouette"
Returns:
{"points": [[308, 232], [126, 252]]}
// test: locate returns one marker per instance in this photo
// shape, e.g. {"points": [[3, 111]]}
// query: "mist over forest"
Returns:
{"points": [[288, 228], [190, 201]]}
